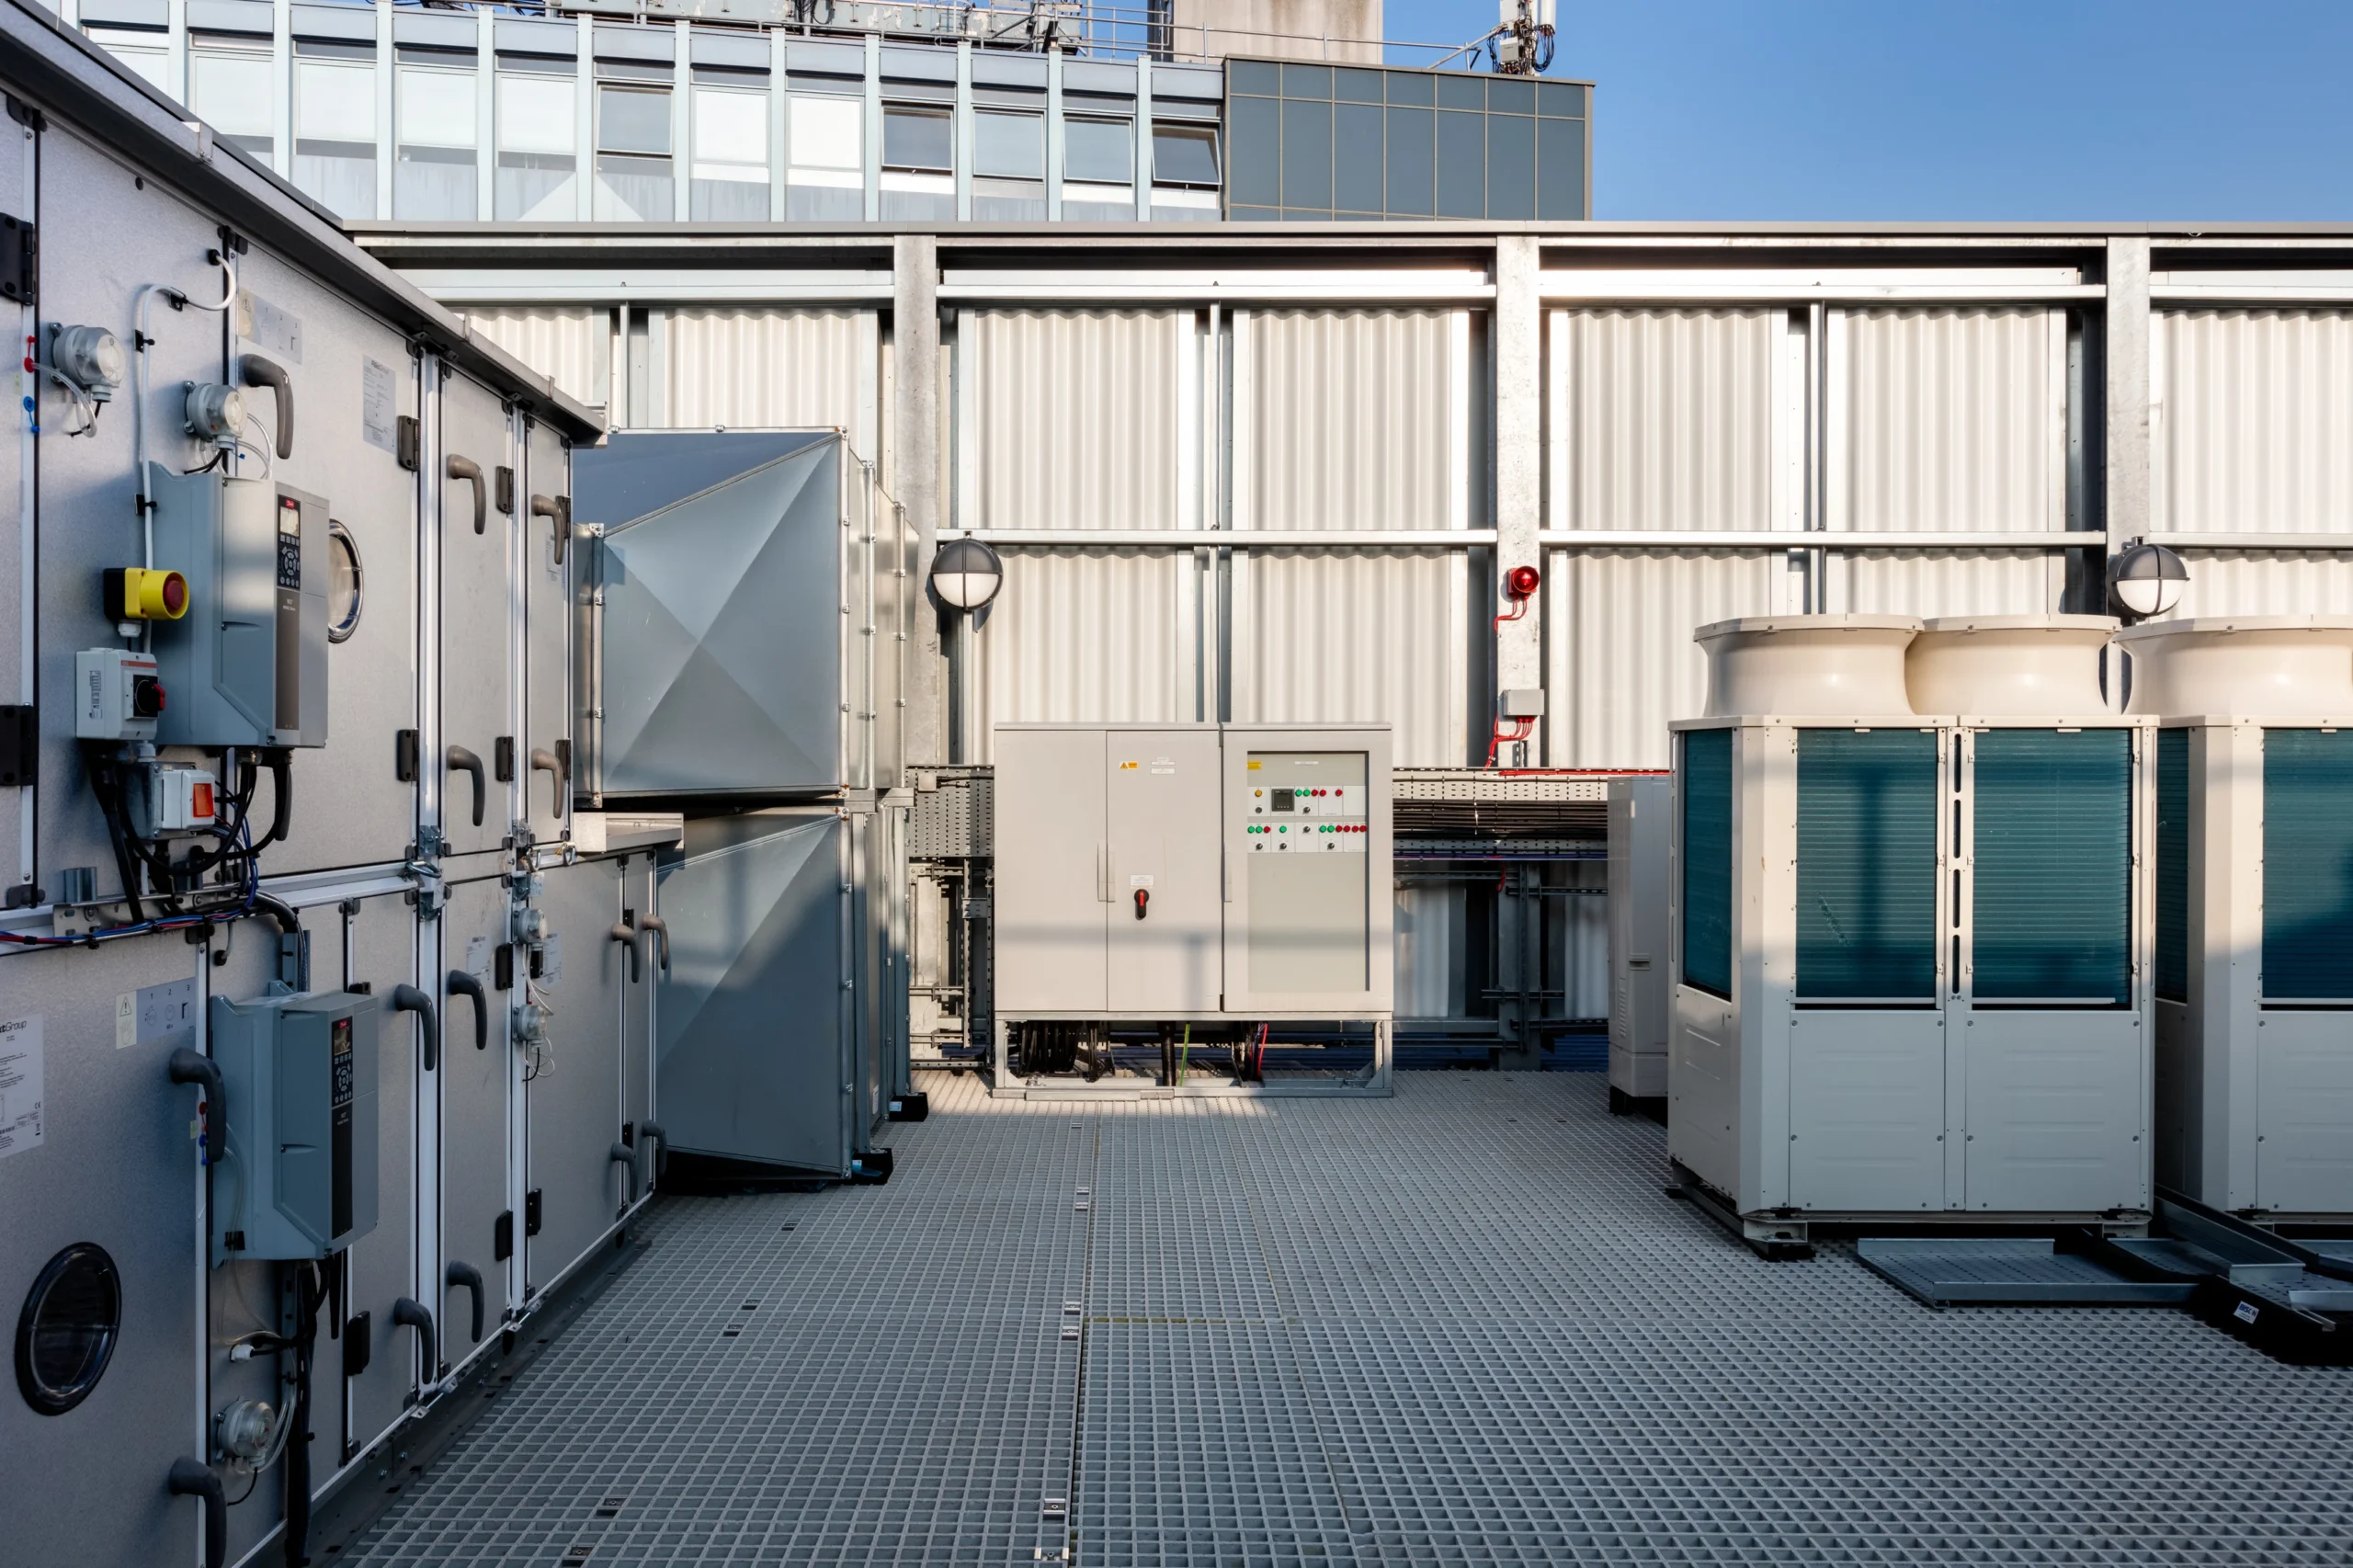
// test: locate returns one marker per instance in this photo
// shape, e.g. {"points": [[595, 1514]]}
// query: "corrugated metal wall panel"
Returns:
{"points": [[2249, 411], [1584, 948], [1948, 419], [1094, 636], [1076, 419], [572, 343], [2266, 581], [1350, 419], [1431, 941], [1930, 582], [1357, 636], [1663, 418], [776, 367], [1621, 661]]}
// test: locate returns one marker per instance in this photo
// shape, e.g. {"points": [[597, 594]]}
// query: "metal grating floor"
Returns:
{"points": [[1461, 1325]]}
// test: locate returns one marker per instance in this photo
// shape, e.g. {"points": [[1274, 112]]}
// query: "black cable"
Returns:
{"points": [[308, 1294], [104, 783]]}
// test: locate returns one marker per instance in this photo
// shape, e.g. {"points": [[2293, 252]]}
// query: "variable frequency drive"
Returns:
{"points": [[293, 1126], [246, 664]]}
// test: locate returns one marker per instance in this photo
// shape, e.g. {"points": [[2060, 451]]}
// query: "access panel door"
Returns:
{"points": [[379, 1358], [109, 1164], [477, 1230], [1052, 877], [543, 514], [639, 987], [1302, 834], [572, 1077], [478, 615], [1166, 916]]}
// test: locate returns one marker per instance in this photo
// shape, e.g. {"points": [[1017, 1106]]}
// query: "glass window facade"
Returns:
{"points": [[731, 154], [634, 172], [1250, 139], [918, 164], [825, 153], [538, 151], [1009, 167], [233, 88], [1309, 141], [335, 132], [434, 171]]}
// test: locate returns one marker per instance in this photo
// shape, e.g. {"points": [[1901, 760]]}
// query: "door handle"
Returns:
{"points": [[557, 509], [193, 1478], [409, 999], [461, 760], [1144, 897], [466, 467], [467, 1275], [464, 985], [661, 929], [544, 761], [627, 937]]}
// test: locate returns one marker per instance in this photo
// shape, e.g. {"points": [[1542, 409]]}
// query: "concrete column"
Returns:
{"points": [[1518, 350], [912, 474], [2127, 391]]}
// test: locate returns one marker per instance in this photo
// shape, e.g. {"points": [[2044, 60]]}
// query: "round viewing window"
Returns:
{"points": [[66, 1333], [344, 577]]}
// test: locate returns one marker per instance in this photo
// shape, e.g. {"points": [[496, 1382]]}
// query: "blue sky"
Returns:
{"points": [[1932, 109]]}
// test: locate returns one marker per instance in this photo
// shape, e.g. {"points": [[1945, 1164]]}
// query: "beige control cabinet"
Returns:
{"points": [[1195, 871]]}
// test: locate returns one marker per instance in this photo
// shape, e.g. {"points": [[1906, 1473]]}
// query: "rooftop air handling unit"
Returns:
{"points": [[2254, 909], [1907, 939]]}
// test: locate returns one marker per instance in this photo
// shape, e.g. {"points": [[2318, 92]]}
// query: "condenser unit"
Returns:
{"points": [[2254, 909], [1907, 938], [1638, 940]]}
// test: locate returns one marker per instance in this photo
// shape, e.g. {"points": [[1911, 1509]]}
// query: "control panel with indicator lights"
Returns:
{"points": [[1307, 802]]}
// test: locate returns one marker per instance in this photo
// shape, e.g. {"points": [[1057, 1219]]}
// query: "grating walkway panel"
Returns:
{"points": [[1461, 1325]]}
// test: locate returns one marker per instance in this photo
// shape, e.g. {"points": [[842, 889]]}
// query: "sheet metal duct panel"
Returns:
{"points": [[727, 653], [753, 1048]]}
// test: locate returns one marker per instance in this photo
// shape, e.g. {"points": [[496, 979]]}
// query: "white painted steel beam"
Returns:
{"points": [[2287, 541], [1806, 285], [2128, 448], [682, 285], [1518, 348], [1238, 285], [1574, 538]]}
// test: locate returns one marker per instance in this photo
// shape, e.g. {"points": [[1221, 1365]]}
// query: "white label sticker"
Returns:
{"points": [[477, 955], [552, 958], [154, 1013], [377, 415], [2245, 1312], [1139, 881], [20, 1055]]}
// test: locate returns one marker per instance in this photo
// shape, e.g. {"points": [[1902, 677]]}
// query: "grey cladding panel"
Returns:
{"points": [[749, 1056], [723, 636]]}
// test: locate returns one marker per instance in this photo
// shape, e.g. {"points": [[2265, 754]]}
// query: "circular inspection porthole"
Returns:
{"points": [[66, 1333], [344, 579]]}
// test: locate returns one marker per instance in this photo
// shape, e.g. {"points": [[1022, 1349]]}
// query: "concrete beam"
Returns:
{"points": [[911, 472], [1519, 338]]}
